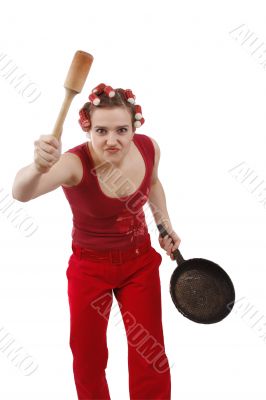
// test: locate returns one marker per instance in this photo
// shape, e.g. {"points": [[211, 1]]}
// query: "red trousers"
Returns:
{"points": [[135, 282]]}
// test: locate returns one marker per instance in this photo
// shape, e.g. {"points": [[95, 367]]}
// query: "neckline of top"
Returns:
{"points": [[87, 150]]}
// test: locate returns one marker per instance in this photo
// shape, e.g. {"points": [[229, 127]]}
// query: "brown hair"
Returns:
{"points": [[119, 100]]}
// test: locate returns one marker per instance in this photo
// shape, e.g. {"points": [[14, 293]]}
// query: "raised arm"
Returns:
{"points": [[49, 170]]}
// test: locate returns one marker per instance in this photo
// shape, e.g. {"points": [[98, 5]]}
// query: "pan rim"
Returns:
{"points": [[186, 266]]}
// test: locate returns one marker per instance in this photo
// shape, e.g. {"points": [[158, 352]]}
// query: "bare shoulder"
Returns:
{"points": [[157, 150], [73, 162], [154, 177]]}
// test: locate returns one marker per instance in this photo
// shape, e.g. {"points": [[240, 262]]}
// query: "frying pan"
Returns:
{"points": [[200, 289]]}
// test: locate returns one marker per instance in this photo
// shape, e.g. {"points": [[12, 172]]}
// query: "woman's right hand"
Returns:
{"points": [[47, 152]]}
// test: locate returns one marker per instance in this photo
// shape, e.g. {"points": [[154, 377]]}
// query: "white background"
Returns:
{"points": [[203, 97]]}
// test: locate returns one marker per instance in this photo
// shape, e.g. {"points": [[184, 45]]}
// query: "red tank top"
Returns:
{"points": [[100, 221]]}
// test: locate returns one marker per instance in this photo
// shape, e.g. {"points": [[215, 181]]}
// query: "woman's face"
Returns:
{"points": [[111, 128]]}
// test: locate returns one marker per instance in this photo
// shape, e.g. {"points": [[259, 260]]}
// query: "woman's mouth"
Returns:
{"points": [[112, 150]]}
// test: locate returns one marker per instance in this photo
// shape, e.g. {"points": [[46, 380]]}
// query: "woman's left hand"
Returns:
{"points": [[170, 243]]}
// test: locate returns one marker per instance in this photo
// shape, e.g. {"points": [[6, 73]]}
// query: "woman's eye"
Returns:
{"points": [[99, 130]]}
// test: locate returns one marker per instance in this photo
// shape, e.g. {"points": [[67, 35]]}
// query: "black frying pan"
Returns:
{"points": [[200, 289]]}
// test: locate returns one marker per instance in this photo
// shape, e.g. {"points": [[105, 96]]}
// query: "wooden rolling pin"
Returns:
{"points": [[76, 77]]}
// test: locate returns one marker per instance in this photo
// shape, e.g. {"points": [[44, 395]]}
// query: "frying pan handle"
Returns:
{"points": [[176, 254]]}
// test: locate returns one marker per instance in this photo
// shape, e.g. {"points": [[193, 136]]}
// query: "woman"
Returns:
{"points": [[107, 181]]}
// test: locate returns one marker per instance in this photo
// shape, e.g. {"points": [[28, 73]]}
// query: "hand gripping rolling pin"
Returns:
{"points": [[74, 83]]}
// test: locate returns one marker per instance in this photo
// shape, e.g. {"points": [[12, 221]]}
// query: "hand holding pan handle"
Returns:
{"points": [[176, 254], [200, 289]]}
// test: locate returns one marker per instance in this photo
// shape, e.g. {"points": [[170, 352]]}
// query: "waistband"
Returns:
{"points": [[115, 255]]}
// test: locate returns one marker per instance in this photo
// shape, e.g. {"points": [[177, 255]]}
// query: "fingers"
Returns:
{"points": [[165, 239], [47, 152], [43, 155], [51, 140], [166, 243], [169, 243]]}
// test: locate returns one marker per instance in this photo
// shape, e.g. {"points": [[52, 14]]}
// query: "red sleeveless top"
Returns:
{"points": [[100, 221]]}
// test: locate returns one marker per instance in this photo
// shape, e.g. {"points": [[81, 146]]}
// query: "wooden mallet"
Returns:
{"points": [[76, 77]]}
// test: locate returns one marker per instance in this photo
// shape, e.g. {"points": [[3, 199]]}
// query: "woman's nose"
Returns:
{"points": [[111, 139]]}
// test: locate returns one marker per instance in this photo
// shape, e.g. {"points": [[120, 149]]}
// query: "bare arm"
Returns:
{"points": [[25, 181], [157, 203], [157, 199], [49, 170]]}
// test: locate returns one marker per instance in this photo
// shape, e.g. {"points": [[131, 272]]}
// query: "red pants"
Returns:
{"points": [[136, 286]]}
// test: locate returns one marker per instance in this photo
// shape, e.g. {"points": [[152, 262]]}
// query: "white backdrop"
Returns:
{"points": [[198, 69]]}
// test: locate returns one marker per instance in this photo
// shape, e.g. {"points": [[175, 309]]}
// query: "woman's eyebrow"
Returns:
{"points": [[120, 126]]}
